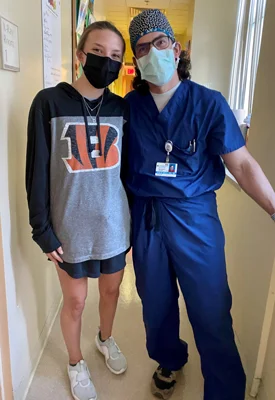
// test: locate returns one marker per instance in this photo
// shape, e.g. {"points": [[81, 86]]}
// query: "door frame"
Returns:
{"points": [[6, 392]]}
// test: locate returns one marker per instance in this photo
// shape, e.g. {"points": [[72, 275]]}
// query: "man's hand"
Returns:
{"points": [[54, 256]]}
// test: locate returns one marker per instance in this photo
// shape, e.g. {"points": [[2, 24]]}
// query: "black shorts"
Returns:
{"points": [[94, 268]]}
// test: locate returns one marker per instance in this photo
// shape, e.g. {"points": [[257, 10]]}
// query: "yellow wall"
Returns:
{"points": [[122, 85], [249, 231], [182, 39], [117, 86], [99, 10], [33, 291], [129, 53], [191, 11]]}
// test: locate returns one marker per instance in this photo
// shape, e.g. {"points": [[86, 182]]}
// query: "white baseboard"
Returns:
{"points": [[22, 390]]}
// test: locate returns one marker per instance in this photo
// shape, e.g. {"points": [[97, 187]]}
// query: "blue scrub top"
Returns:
{"points": [[193, 113]]}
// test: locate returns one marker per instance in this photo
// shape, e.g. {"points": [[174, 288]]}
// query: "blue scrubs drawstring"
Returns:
{"points": [[151, 214]]}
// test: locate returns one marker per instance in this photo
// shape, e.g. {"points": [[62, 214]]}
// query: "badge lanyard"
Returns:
{"points": [[168, 149], [167, 169]]}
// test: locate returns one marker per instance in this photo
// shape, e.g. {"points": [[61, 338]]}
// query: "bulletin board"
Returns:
{"points": [[83, 16]]}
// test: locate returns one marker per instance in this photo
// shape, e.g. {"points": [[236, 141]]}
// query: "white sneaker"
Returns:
{"points": [[82, 386], [115, 360]]}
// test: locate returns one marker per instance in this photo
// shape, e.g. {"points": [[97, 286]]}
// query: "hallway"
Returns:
{"points": [[51, 381], [218, 35]]}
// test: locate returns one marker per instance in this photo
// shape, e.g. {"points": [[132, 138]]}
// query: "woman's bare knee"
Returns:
{"points": [[109, 292], [74, 294], [109, 285], [74, 306]]}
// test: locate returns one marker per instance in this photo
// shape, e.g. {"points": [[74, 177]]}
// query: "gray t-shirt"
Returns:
{"points": [[89, 207]]}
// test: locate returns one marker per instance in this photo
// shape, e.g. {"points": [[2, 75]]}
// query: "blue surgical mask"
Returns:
{"points": [[158, 66]]}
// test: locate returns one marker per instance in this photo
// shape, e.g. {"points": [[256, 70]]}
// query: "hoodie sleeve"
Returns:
{"points": [[38, 174]]}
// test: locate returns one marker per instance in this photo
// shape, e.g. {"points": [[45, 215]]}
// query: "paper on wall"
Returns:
{"points": [[51, 33]]}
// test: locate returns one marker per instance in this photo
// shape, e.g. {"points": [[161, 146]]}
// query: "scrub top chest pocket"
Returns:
{"points": [[186, 156]]}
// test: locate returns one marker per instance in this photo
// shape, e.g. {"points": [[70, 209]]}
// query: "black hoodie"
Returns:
{"points": [[75, 195]]}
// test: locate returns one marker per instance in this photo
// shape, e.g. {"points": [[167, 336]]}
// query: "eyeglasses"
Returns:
{"points": [[160, 43]]}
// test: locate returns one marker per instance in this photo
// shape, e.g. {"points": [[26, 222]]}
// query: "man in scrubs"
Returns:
{"points": [[177, 234]]}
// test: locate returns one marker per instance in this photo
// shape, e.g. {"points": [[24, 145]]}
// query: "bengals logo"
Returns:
{"points": [[80, 159]]}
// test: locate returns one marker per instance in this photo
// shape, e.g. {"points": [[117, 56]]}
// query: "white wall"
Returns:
{"points": [[250, 233], [213, 40], [32, 288]]}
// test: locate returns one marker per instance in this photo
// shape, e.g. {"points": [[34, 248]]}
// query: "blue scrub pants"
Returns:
{"points": [[182, 240]]}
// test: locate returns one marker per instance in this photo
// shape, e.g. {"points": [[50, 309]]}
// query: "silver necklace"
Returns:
{"points": [[88, 105], [89, 109]]}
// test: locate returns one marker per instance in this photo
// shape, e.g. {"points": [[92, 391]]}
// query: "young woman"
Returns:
{"points": [[78, 207]]}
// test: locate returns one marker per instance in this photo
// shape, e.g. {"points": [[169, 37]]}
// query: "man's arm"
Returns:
{"points": [[251, 178]]}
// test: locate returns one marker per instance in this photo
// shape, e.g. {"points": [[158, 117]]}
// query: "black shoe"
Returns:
{"points": [[163, 383]]}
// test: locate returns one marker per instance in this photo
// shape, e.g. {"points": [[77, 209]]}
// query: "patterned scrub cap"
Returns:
{"points": [[147, 22]]}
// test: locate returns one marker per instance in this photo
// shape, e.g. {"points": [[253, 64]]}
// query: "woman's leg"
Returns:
{"points": [[109, 292], [109, 285], [74, 295]]}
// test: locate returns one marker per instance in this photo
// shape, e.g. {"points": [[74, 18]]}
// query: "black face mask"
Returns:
{"points": [[101, 71]]}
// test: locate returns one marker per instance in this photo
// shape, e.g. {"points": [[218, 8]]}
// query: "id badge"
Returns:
{"points": [[168, 170]]}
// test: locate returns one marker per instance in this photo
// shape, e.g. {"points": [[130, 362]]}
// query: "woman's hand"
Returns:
{"points": [[54, 256]]}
